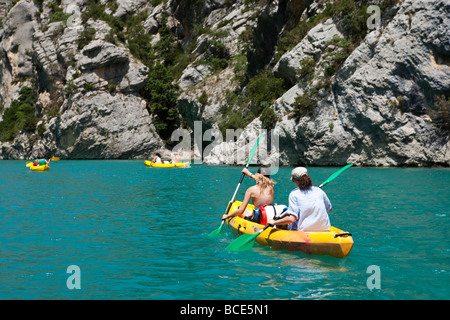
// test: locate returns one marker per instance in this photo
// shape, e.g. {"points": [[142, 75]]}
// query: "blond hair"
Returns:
{"points": [[263, 182]]}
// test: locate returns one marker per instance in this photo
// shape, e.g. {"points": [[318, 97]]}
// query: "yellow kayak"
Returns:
{"points": [[167, 165], [335, 242], [40, 168]]}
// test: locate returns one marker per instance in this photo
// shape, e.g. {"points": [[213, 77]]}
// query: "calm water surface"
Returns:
{"points": [[141, 233]]}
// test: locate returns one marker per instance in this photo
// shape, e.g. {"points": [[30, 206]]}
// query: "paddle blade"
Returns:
{"points": [[243, 243], [216, 232], [255, 146], [54, 159], [335, 175], [29, 164]]}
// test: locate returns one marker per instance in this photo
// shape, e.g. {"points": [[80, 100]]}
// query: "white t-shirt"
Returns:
{"points": [[158, 160], [310, 208]]}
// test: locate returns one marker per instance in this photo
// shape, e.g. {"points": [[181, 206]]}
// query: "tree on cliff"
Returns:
{"points": [[20, 116], [162, 96]]}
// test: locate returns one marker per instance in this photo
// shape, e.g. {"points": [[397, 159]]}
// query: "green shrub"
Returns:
{"points": [[203, 99], [330, 70], [306, 71], [86, 36], [242, 108], [303, 106], [441, 115], [112, 5], [137, 39], [57, 13], [240, 67], [139, 43], [265, 87], [162, 96], [167, 47], [338, 56], [88, 87], [234, 121], [171, 52], [292, 37], [246, 37], [268, 118], [352, 17], [96, 11], [70, 88], [41, 129], [20, 116], [111, 86], [129, 30], [216, 55]]}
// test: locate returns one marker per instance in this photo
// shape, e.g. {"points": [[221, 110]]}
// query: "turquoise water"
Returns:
{"points": [[141, 233]]}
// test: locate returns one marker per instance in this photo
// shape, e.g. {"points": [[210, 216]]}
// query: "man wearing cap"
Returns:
{"points": [[308, 205], [261, 194]]}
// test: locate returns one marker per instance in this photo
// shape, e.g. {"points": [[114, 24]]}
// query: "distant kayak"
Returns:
{"points": [[167, 165], [334, 242], [40, 168]]}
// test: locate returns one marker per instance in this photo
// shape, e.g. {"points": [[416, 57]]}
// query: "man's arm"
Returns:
{"points": [[285, 220]]}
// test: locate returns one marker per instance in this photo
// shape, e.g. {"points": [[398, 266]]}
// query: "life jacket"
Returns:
{"points": [[39, 162], [266, 212]]}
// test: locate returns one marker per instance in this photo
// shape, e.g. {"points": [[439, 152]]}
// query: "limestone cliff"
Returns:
{"points": [[111, 79]]}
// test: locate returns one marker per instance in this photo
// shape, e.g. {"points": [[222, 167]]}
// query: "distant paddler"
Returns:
{"points": [[157, 158], [41, 161], [175, 159]]}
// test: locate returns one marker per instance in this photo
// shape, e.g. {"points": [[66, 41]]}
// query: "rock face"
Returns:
{"points": [[103, 63], [93, 90], [16, 46], [88, 66], [392, 67], [376, 112], [103, 126], [312, 46]]}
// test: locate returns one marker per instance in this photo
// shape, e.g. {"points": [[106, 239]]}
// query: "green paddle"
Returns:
{"points": [[335, 175], [219, 230], [246, 241]]}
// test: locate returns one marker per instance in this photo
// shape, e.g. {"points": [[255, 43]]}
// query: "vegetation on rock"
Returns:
{"points": [[20, 116]]}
